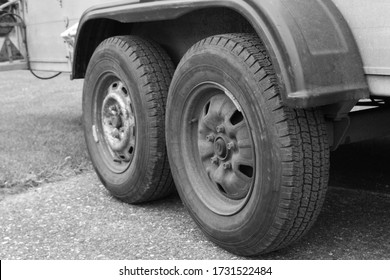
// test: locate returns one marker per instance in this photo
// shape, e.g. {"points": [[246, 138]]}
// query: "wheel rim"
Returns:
{"points": [[223, 153], [114, 128]]}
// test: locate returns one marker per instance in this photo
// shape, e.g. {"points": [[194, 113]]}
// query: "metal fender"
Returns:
{"points": [[310, 43]]}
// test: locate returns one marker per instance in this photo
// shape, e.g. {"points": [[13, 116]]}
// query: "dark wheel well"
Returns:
{"points": [[92, 34], [175, 36]]}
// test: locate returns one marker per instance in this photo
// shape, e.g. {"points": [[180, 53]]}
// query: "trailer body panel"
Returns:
{"points": [[314, 42]]}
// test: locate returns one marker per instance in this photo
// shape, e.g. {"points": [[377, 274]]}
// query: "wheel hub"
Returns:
{"points": [[118, 122], [220, 148], [225, 147]]}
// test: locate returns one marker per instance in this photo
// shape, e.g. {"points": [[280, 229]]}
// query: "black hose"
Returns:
{"points": [[45, 78]]}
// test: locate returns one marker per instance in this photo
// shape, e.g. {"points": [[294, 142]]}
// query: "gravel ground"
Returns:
{"points": [[78, 219]]}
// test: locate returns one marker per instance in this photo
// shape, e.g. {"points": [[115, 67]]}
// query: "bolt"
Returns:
{"points": [[227, 165], [220, 129], [214, 160], [230, 145], [210, 137]]}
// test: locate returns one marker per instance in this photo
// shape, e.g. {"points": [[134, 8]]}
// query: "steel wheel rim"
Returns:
{"points": [[223, 153], [114, 123]]}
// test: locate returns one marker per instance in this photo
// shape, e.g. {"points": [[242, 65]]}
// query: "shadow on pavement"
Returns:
{"points": [[352, 225], [355, 219], [364, 165]]}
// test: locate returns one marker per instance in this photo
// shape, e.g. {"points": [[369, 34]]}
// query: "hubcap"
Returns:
{"points": [[118, 123], [220, 148]]}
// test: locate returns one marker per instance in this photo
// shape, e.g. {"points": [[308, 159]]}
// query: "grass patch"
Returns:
{"points": [[41, 134]]}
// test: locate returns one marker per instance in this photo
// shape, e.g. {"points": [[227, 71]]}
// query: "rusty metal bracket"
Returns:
{"points": [[337, 130]]}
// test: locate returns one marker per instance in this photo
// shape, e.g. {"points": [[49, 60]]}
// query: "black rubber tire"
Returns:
{"points": [[145, 71], [290, 148]]}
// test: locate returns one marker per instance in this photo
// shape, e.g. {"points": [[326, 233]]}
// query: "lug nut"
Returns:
{"points": [[230, 145], [227, 165], [220, 129], [210, 137], [214, 160]]}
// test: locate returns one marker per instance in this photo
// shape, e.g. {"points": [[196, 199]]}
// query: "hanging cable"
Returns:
{"points": [[45, 78]]}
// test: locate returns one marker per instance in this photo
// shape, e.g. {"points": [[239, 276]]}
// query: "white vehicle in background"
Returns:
{"points": [[238, 102]]}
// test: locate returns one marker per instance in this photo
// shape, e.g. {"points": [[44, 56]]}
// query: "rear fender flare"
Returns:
{"points": [[310, 43]]}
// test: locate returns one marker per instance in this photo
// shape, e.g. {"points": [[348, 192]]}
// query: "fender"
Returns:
{"points": [[311, 45]]}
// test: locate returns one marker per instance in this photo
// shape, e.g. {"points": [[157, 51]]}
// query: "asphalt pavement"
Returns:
{"points": [[79, 219]]}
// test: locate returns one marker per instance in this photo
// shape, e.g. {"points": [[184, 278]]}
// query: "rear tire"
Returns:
{"points": [[252, 172], [124, 99]]}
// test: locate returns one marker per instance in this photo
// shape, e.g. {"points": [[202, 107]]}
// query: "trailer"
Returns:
{"points": [[234, 104]]}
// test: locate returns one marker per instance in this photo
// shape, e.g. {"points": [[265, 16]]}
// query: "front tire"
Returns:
{"points": [[252, 172], [124, 99]]}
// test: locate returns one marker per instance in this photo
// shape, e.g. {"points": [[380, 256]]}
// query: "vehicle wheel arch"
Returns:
{"points": [[314, 70]]}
